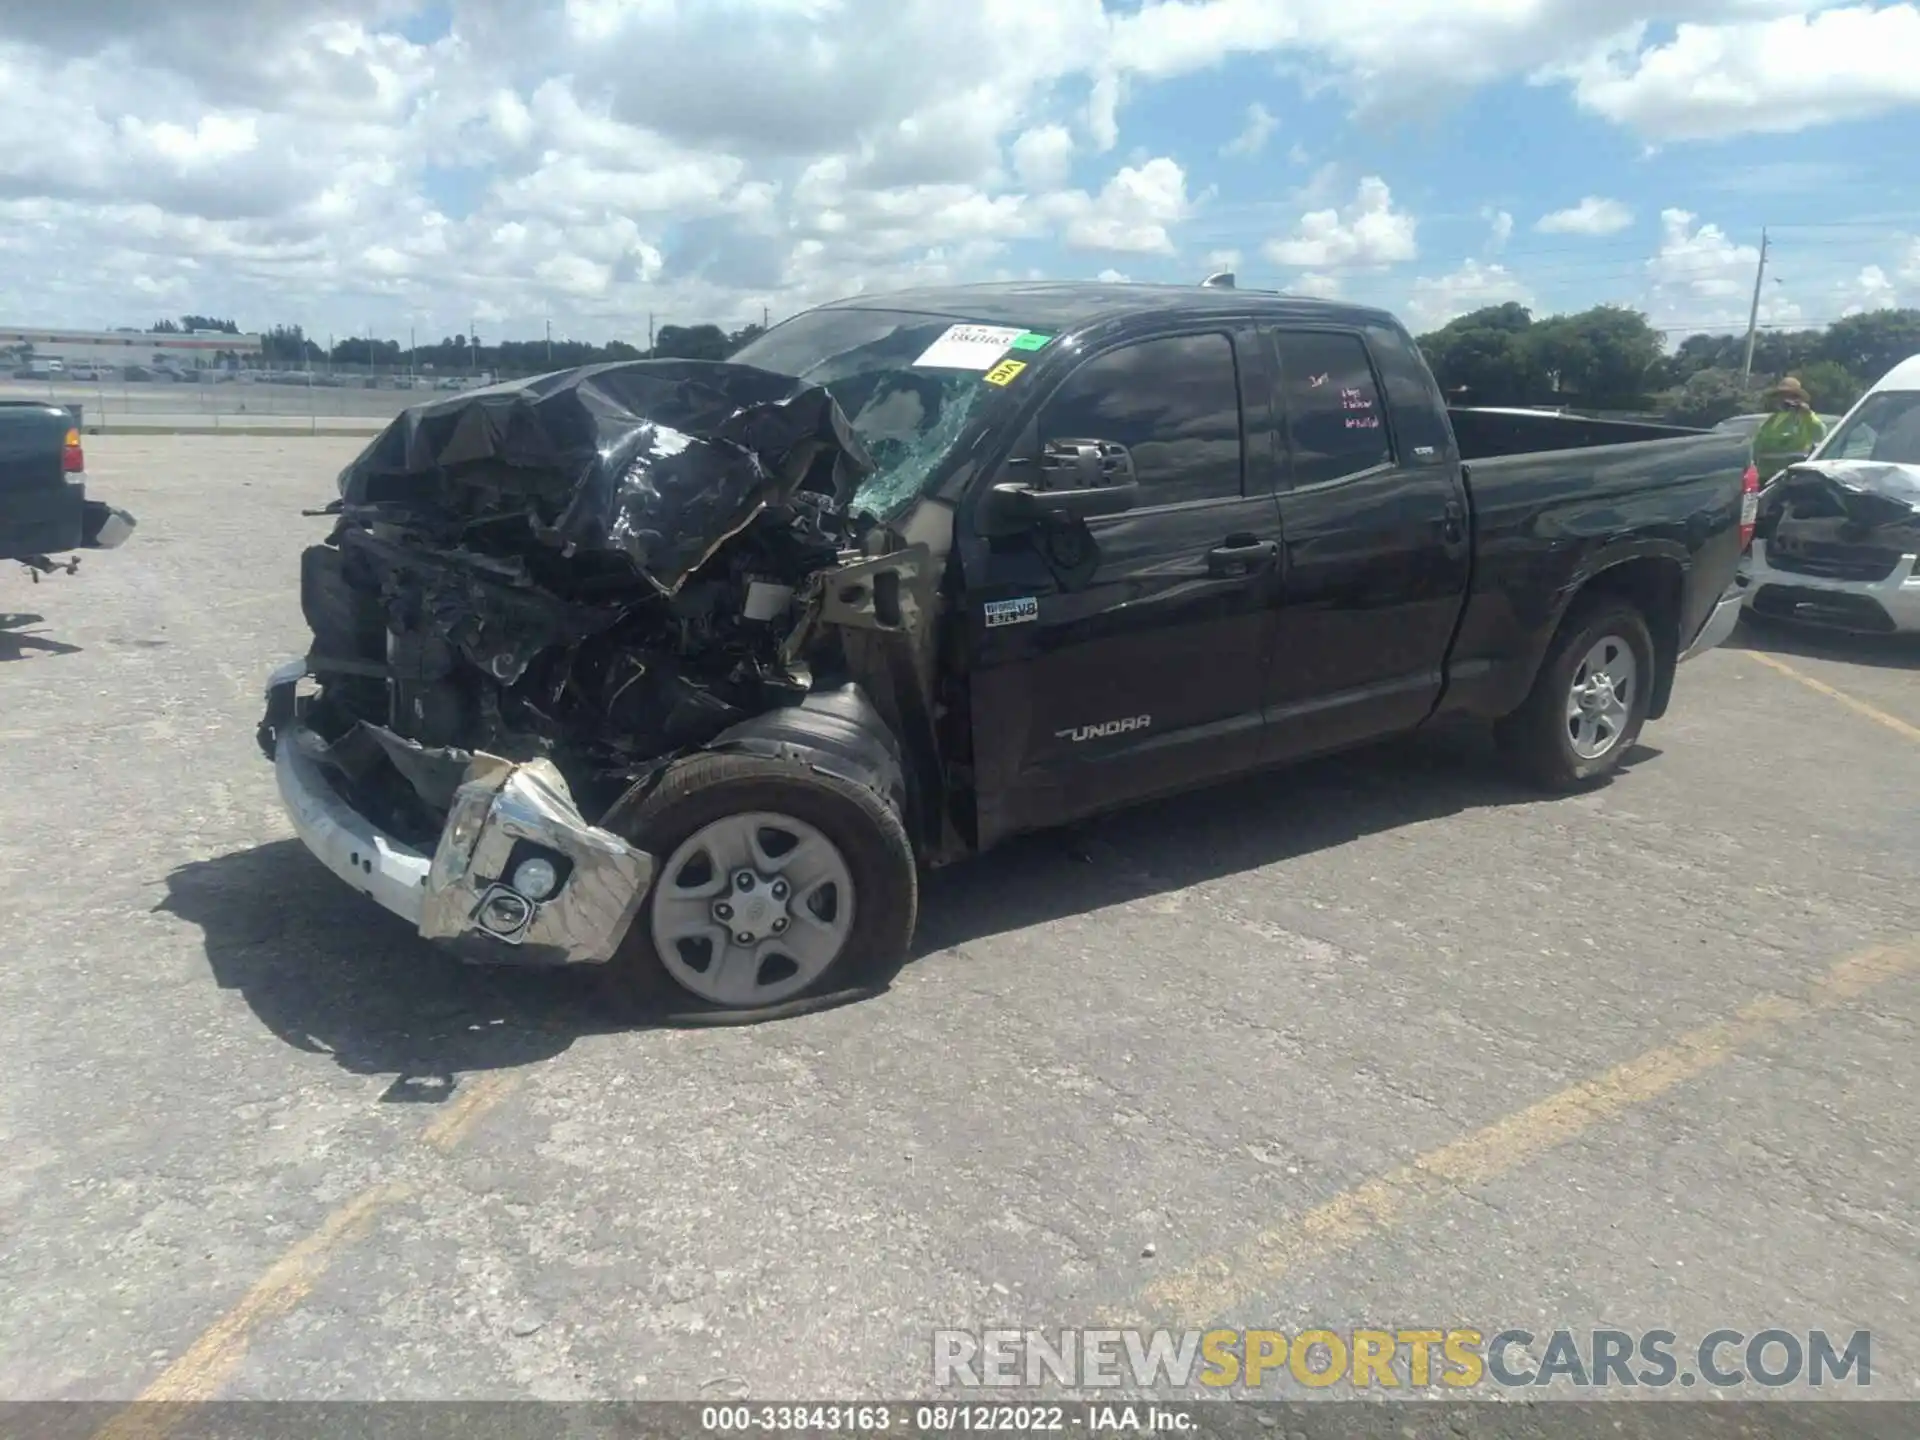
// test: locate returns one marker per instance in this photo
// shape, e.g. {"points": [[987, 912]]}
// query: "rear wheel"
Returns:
{"points": [[776, 887], [1589, 700]]}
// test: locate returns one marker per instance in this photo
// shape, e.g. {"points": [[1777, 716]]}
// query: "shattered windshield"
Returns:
{"points": [[1886, 428], [875, 363]]}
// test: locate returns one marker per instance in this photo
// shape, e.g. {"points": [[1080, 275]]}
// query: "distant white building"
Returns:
{"points": [[192, 350]]}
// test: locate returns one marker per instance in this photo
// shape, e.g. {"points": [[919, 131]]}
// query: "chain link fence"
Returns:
{"points": [[345, 397]]}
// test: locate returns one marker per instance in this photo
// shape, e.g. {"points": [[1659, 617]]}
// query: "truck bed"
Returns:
{"points": [[41, 509], [1487, 434], [1555, 499]]}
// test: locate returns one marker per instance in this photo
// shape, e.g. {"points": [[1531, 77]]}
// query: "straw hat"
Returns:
{"points": [[1790, 389]]}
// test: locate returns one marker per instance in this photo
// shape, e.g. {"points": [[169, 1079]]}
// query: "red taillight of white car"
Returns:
{"points": [[1749, 505]]}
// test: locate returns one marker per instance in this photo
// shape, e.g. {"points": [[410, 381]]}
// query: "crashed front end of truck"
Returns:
{"points": [[1837, 544], [536, 596]]}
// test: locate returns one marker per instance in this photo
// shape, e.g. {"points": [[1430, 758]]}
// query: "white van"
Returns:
{"points": [[1844, 547]]}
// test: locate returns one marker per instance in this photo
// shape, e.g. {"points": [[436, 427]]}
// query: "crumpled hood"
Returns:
{"points": [[1867, 503], [659, 461]]}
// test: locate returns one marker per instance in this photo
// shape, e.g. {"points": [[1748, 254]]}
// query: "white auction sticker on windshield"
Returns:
{"points": [[969, 347]]}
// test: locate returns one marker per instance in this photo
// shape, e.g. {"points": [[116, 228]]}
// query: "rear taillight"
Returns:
{"points": [[1749, 504], [73, 459]]}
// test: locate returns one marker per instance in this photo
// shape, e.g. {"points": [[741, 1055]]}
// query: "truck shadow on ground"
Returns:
{"points": [[1219, 832], [1884, 652], [328, 972], [15, 644]]}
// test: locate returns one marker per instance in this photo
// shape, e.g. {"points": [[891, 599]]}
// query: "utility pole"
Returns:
{"points": [[549, 342], [1753, 315], [763, 317], [410, 348], [649, 332], [473, 346]]}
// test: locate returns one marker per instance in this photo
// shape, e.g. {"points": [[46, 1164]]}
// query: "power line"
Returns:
{"points": [[1721, 327], [1888, 223]]}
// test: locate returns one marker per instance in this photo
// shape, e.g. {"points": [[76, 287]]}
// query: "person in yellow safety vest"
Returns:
{"points": [[1789, 433]]}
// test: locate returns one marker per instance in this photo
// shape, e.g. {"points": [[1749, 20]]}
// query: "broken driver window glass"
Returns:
{"points": [[908, 415]]}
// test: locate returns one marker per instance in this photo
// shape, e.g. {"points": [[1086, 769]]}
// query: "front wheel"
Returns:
{"points": [[776, 887], [1589, 700]]}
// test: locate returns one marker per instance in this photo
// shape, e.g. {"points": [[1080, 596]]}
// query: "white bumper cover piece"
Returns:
{"points": [[1898, 593]]}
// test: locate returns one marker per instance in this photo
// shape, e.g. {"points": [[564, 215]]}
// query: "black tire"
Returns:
{"points": [[1536, 737], [870, 836]]}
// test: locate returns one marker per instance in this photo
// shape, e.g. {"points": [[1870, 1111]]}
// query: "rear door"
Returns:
{"points": [[1377, 555], [1125, 656]]}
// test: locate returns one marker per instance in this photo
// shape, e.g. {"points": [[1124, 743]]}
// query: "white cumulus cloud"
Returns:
{"points": [[1366, 232], [1043, 157], [1500, 230], [587, 162], [1594, 215], [1132, 212], [1434, 300], [1780, 74], [1702, 279], [1254, 134], [1316, 285]]}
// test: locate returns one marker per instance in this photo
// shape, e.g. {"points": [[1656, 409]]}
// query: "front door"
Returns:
{"points": [[1377, 555], [1125, 657]]}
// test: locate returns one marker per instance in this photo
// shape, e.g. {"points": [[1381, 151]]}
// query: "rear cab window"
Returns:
{"points": [[1335, 415]]}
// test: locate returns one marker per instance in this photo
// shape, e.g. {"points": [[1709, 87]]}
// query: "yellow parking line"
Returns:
{"points": [[209, 1361], [1859, 707], [1195, 1295], [200, 1373], [463, 1112]]}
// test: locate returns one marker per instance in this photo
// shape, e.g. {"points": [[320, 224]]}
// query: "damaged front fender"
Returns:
{"points": [[475, 889], [1861, 503], [505, 820]]}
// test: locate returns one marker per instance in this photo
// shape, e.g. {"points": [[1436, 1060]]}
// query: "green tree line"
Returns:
{"points": [[187, 324], [1606, 359], [289, 345], [1611, 359]]}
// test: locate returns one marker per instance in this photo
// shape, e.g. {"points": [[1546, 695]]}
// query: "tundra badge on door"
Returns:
{"points": [[1101, 731]]}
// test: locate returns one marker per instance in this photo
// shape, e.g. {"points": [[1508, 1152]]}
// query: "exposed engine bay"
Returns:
{"points": [[1864, 506], [601, 569]]}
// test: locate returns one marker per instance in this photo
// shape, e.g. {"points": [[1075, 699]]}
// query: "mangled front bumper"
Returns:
{"points": [[503, 814]]}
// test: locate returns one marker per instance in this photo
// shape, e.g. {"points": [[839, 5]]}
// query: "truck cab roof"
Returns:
{"points": [[1066, 305]]}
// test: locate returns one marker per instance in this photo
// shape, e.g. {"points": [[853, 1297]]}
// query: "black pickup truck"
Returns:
{"points": [[44, 510], [692, 666]]}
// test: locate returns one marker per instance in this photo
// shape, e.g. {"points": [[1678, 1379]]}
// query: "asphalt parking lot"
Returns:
{"points": [[1382, 1041]]}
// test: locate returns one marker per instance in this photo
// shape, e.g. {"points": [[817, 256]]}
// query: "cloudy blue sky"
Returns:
{"points": [[346, 164]]}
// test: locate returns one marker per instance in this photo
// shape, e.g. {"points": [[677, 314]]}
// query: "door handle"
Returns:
{"points": [[1452, 520], [1241, 557]]}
